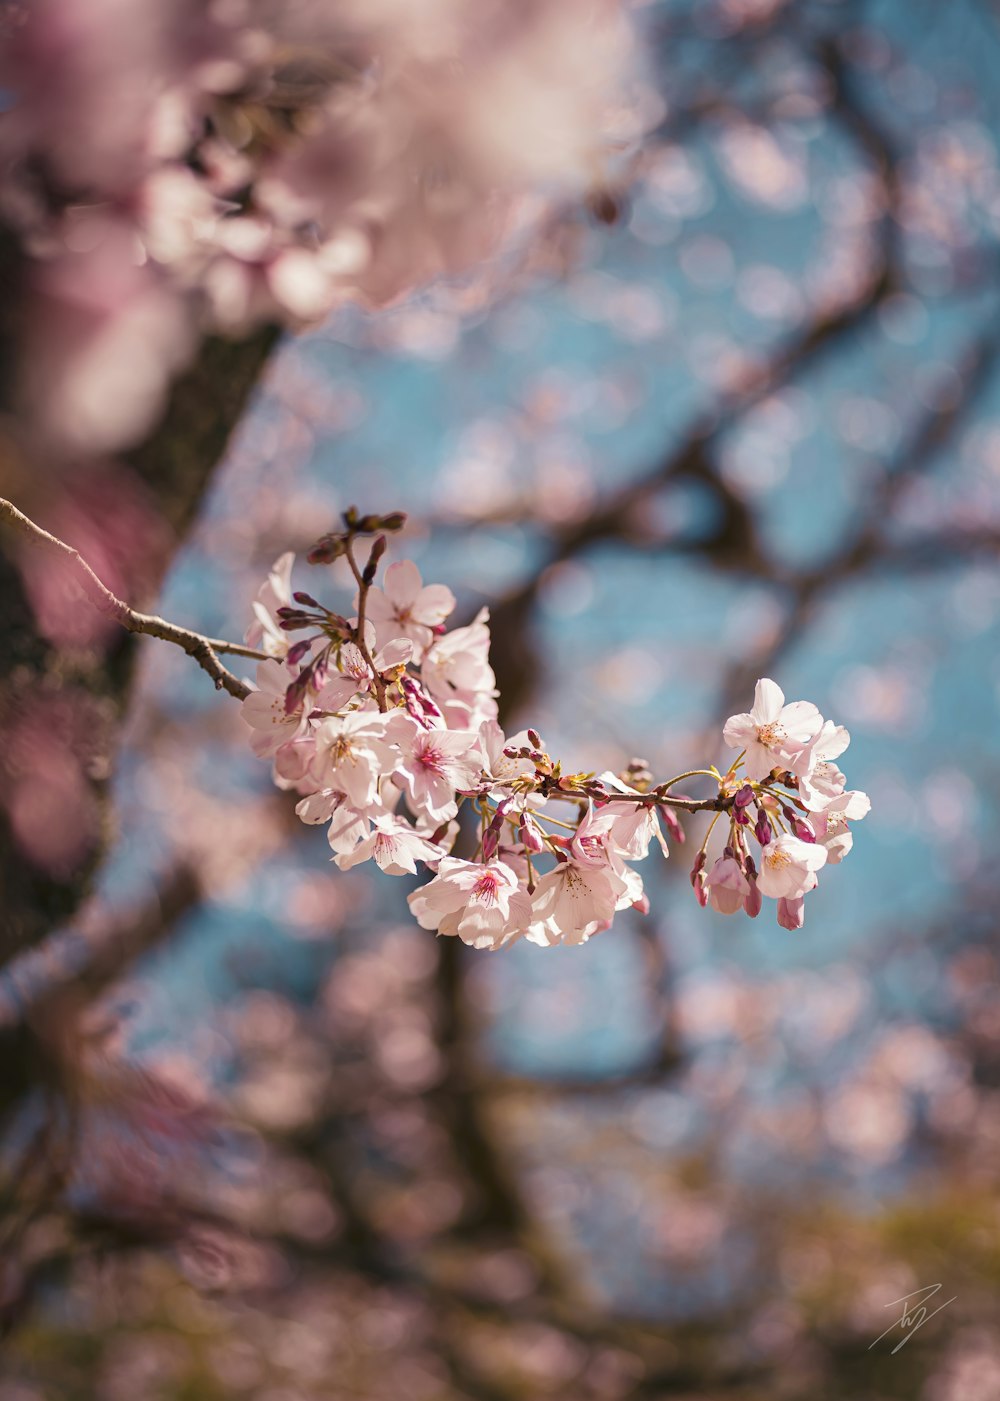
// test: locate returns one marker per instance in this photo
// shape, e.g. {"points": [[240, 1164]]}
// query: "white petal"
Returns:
{"points": [[739, 731], [858, 805], [768, 699]]}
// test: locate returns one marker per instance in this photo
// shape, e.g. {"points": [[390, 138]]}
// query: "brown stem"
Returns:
{"points": [[363, 588], [204, 650], [716, 804]]}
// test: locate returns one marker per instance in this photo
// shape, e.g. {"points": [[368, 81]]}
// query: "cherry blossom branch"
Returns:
{"points": [[433, 741], [204, 650]]}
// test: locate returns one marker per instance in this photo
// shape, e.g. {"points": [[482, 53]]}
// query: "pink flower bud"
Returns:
{"points": [[803, 829], [791, 912], [700, 893], [296, 691], [743, 797], [296, 653], [726, 884], [752, 901], [762, 830], [491, 841], [530, 835]]}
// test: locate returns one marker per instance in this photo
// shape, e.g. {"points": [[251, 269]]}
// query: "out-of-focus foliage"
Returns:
{"points": [[173, 170], [303, 1149]]}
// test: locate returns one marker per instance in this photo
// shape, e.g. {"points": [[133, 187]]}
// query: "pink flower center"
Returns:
{"points": [[486, 888], [432, 758], [771, 735]]}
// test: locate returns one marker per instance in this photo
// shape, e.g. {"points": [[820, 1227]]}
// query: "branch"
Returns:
{"points": [[204, 650]]}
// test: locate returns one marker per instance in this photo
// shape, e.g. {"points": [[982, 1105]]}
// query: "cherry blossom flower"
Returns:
{"points": [[265, 632], [457, 673], [824, 780], [433, 764], [354, 676], [574, 901], [348, 827], [408, 608], [265, 713], [773, 734], [726, 886], [787, 865], [481, 903], [832, 830], [497, 766], [635, 826], [353, 752], [394, 846]]}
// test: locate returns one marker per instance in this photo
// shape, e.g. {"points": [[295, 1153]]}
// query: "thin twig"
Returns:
{"points": [[204, 650], [363, 588]]}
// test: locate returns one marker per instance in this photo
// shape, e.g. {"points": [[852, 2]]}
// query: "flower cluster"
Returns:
{"points": [[171, 169], [385, 725], [794, 800]]}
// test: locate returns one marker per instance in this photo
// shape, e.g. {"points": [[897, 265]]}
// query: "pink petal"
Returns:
{"points": [[436, 602], [402, 583]]}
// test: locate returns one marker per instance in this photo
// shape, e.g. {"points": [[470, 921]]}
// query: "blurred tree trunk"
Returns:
{"points": [[89, 690]]}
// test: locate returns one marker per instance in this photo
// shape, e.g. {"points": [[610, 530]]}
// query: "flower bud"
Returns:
{"points": [[296, 691], [762, 830], [326, 549], [535, 738], [378, 550], [753, 900], [529, 834], [726, 885], [306, 598], [744, 796], [296, 653], [791, 912]]}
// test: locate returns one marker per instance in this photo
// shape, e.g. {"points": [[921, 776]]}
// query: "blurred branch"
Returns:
{"points": [[90, 964], [204, 650]]}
